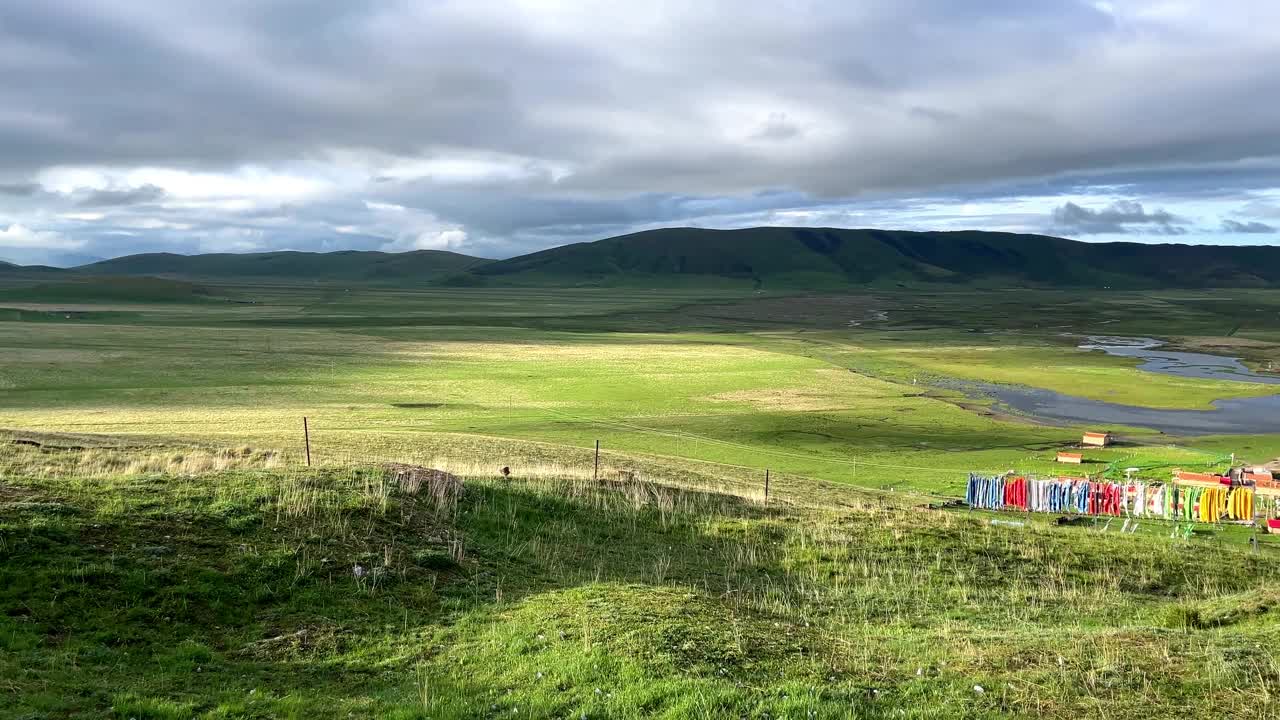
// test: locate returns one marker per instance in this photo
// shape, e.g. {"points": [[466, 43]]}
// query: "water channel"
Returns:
{"points": [[1252, 416]]}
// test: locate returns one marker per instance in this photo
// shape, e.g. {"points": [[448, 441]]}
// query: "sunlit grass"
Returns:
{"points": [[166, 552], [335, 590]]}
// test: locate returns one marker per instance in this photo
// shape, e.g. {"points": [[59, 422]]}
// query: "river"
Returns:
{"points": [[1240, 416]]}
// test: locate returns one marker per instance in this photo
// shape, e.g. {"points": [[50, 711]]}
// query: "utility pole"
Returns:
{"points": [[306, 437]]}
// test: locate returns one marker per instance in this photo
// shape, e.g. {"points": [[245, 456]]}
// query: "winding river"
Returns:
{"points": [[1240, 416]]}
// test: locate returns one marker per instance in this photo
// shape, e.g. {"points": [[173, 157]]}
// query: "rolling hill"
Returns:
{"points": [[774, 257], [832, 258], [8, 269], [347, 265]]}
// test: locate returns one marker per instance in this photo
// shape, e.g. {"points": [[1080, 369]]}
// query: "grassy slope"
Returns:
{"points": [[418, 266], [12, 275], [132, 591], [813, 258]]}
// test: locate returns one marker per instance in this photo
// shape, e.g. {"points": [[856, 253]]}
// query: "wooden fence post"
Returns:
{"points": [[595, 474], [306, 437], [766, 486]]}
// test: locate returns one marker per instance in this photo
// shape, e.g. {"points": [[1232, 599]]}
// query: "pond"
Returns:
{"points": [[1251, 416]]}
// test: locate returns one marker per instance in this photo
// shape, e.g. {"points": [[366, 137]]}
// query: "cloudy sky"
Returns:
{"points": [[495, 127]]}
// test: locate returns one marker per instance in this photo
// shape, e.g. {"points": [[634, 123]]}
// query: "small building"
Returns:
{"points": [[1262, 479], [1070, 457], [1181, 477], [1270, 488], [1097, 439]]}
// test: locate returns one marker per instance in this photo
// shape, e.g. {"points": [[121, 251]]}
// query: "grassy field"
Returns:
{"points": [[390, 374], [165, 553], [231, 590]]}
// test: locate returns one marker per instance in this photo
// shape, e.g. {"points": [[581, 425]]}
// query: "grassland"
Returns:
{"points": [[165, 553], [231, 593], [386, 374]]}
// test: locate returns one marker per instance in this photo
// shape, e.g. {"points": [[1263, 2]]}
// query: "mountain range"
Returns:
{"points": [[773, 257]]}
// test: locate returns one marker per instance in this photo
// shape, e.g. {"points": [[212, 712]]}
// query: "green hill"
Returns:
{"points": [[111, 289], [832, 258], [8, 270], [351, 265], [775, 257]]}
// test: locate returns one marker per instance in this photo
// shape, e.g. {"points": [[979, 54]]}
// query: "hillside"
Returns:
{"points": [[774, 257], [351, 265], [110, 288], [10, 270], [832, 258], [184, 583]]}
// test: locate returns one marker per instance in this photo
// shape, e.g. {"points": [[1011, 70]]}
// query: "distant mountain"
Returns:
{"points": [[828, 258], [8, 270], [348, 265], [773, 257]]}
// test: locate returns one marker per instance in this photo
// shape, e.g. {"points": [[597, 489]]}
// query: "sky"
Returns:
{"points": [[499, 127]]}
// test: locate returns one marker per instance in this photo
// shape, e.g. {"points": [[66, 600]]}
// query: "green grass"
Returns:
{"points": [[732, 400], [230, 593], [166, 555], [110, 289], [393, 372]]}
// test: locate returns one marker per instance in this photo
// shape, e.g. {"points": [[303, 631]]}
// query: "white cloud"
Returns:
{"points": [[472, 168], [232, 240], [154, 224], [427, 238], [440, 240], [384, 207], [21, 236], [250, 182]]}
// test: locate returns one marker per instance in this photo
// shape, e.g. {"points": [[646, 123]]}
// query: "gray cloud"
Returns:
{"points": [[521, 126], [1125, 216], [1259, 207], [778, 127], [194, 84], [124, 196], [26, 189], [1248, 227]]}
